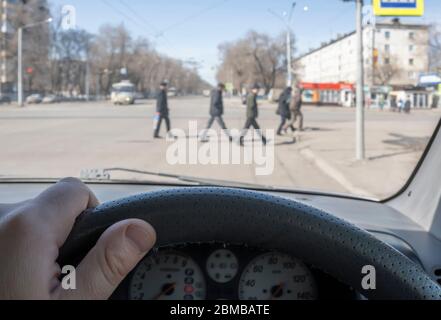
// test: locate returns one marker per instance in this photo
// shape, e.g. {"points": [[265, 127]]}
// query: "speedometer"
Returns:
{"points": [[168, 276], [275, 276]]}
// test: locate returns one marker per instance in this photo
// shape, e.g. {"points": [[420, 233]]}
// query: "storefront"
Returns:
{"points": [[340, 94]]}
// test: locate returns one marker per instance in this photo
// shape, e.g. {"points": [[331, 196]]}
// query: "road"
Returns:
{"points": [[63, 139]]}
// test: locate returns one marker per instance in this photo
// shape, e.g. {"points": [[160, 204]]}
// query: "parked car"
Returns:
{"points": [[34, 99], [5, 100], [51, 98]]}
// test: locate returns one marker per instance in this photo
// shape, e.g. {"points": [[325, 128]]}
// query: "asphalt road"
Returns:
{"points": [[53, 141]]}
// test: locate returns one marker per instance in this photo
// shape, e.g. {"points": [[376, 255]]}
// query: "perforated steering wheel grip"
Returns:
{"points": [[195, 215]]}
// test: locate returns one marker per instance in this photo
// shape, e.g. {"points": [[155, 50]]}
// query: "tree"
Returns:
{"points": [[255, 58], [35, 43], [60, 61], [435, 48], [68, 64], [386, 71]]}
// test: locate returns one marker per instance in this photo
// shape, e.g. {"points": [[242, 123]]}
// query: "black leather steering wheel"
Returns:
{"points": [[196, 215]]}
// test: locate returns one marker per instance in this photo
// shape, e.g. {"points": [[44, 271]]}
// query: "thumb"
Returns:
{"points": [[116, 253]]}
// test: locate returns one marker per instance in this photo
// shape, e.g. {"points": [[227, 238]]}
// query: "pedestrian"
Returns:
{"points": [[283, 109], [393, 104], [296, 111], [162, 110], [400, 105], [252, 115], [216, 111], [382, 103], [407, 105]]}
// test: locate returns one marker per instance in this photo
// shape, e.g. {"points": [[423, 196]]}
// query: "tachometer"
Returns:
{"points": [[275, 276], [168, 276]]}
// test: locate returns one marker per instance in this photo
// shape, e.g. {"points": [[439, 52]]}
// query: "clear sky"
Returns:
{"points": [[193, 29]]}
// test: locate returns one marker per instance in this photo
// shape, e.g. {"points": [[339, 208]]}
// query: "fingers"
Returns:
{"points": [[116, 253], [62, 203]]}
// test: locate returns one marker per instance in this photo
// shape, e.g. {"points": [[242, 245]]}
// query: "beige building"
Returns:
{"points": [[395, 54]]}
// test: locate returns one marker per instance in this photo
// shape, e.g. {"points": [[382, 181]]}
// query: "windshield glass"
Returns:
{"points": [[123, 89], [276, 94]]}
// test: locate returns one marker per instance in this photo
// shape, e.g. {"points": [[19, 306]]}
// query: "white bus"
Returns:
{"points": [[123, 93]]}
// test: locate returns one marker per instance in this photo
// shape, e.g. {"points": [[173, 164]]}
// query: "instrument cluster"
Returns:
{"points": [[226, 272]]}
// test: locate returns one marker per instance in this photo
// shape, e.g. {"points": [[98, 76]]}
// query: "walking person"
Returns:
{"points": [[283, 109], [407, 105], [162, 110], [252, 115], [295, 107], [216, 111]]}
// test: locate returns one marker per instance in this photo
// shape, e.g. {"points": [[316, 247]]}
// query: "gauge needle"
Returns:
{"points": [[165, 291], [276, 291]]}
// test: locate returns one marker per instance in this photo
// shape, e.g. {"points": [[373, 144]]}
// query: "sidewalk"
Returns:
{"points": [[394, 145]]}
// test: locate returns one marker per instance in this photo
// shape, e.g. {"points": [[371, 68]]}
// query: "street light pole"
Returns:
{"points": [[289, 46], [20, 68], [360, 129], [289, 58], [287, 22], [20, 99]]}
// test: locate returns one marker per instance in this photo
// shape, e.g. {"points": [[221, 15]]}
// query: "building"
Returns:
{"points": [[395, 54]]}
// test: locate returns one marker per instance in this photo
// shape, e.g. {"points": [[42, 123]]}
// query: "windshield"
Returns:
{"points": [[270, 94], [123, 89]]}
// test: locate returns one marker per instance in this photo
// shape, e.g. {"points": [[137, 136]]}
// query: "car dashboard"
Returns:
{"points": [[237, 271]]}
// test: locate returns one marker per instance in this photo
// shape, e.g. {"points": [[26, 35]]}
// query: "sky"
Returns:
{"points": [[193, 29]]}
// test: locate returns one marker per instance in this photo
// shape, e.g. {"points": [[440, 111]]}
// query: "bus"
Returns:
{"points": [[123, 93]]}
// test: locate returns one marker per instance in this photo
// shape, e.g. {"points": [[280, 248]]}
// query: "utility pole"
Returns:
{"points": [[87, 80], [360, 129], [4, 67], [286, 19], [289, 57], [20, 68]]}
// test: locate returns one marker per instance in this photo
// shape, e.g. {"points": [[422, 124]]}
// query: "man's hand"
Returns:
{"points": [[32, 232]]}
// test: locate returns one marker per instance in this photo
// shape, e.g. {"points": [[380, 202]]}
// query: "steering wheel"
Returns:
{"points": [[204, 215]]}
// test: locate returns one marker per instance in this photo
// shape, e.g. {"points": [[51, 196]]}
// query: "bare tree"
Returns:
{"points": [[255, 58], [435, 48], [35, 43], [58, 61], [386, 71], [113, 49]]}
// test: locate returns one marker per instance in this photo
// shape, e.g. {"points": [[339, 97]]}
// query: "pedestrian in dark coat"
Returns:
{"points": [[295, 107], [283, 109], [252, 115], [162, 110], [216, 110]]}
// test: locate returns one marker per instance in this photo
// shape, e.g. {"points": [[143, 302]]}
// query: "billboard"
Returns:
{"points": [[397, 8]]}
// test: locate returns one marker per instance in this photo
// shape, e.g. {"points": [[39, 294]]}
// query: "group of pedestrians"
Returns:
{"points": [[217, 112], [289, 109]]}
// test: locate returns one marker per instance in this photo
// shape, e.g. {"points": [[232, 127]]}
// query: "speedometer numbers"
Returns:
{"points": [[275, 276], [168, 276]]}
